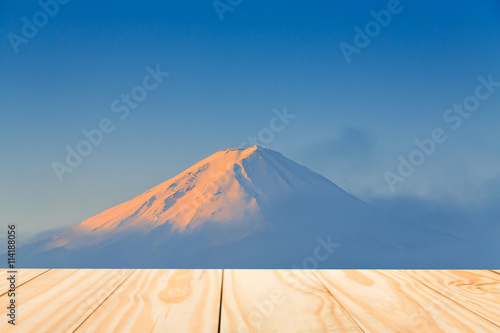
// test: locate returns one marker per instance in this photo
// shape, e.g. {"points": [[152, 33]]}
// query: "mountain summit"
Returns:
{"points": [[239, 208]]}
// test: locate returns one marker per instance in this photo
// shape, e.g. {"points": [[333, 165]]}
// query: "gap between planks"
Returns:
{"points": [[340, 303], [220, 302], [76, 329], [22, 284]]}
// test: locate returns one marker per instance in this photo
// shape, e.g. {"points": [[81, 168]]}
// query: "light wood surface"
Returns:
{"points": [[161, 301], [59, 300], [465, 288], [23, 276], [391, 301], [253, 301], [280, 301]]}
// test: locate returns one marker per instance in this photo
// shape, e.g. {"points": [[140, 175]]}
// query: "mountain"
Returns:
{"points": [[242, 208]]}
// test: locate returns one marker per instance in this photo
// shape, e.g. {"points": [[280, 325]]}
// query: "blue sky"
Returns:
{"points": [[225, 78]]}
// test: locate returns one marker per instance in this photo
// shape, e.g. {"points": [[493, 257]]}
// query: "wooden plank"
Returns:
{"points": [[59, 300], [280, 301], [161, 301], [255, 301], [23, 276], [479, 291], [390, 301]]}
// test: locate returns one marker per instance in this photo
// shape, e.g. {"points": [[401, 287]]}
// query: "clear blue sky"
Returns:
{"points": [[353, 119]]}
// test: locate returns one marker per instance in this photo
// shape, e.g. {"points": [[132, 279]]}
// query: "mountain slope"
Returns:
{"points": [[240, 208]]}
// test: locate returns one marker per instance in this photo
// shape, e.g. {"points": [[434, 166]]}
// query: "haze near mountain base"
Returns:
{"points": [[244, 208]]}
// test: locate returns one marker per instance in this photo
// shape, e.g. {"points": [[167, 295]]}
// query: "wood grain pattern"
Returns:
{"points": [[161, 301], [280, 301], [23, 276], [254, 301], [390, 301], [59, 300], [466, 288]]}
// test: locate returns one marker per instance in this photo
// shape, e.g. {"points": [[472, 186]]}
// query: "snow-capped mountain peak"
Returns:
{"points": [[235, 203]]}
